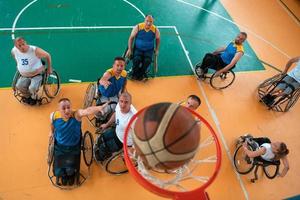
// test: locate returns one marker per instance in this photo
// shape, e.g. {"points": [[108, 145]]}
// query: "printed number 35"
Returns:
{"points": [[24, 61]]}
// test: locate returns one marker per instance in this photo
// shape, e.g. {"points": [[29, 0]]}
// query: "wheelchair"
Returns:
{"points": [[49, 88], [151, 71], [222, 81], [244, 164], [90, 99], [113, 163], [281, 103], [62, 162]]}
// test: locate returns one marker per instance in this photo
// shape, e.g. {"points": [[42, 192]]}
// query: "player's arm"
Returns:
{"points": [[157, 39], [89, 111], [124, 86], [253, 154], [219, 50], [104, 79], [111, 120], [290, 63], [235, 59], [286, 167], [130, 40], [40, 53]]}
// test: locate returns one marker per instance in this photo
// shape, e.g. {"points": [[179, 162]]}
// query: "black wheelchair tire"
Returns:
{"points": [[110, 162], [88, 140], [213, 78], [45, 85], [271, 176], [235, 161]]}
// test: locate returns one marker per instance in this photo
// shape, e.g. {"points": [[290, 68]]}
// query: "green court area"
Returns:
{"points": [[83, 37]]}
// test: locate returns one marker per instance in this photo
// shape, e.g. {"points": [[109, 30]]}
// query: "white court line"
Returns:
{"points": [[230, 21], [215, 118], [135, 8], [288, 12], [73, 28], [17, 18]]}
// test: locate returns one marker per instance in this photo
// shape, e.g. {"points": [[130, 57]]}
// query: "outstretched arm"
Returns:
{"points": [[44, 54], [89, 111], [286, 167], [104, 80], [290, 62]]}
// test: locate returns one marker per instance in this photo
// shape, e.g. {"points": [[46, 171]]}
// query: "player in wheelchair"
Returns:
{"points": [[31, 74], [107, 89], [141, 52], [222, 60], [66, 143], [282, 91], [108, 147], [254, 152]]}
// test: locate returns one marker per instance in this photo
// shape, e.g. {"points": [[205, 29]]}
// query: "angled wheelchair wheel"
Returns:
{"points": [[242, 163], [223, 80], [90, 95], [116, 164], [52, 84], [271, 170], [15, 80], [87, 148]]}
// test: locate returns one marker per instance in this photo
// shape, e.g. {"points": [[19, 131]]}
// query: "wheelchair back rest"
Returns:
{"points": [[287, 84]]}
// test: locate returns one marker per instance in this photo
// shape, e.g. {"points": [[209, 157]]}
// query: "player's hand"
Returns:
{"points": [[103, 126], [156, 52], [105, 84], [128, 53], [49, 70]]}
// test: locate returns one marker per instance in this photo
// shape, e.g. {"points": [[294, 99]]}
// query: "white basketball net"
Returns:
{"points": [[177, 179]]}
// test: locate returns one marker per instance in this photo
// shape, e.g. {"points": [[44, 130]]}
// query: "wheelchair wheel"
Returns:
{"points": [[52, 84], [222, 81], [116, 164], [242, 163], [155, 67], [271, 170], [50, 150], [90, 95], [292, 100], [16, 78], [88, 148]]}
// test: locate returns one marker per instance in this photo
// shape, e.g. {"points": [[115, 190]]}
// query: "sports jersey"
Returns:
{"points": [[117, 84], [144, 39], [66, 132], [27, 62], [230, 52], [268, 155], [122, 121]]}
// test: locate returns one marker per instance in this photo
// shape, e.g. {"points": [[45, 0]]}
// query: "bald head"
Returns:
{"points": [[21, 44], [148, 21], [125, 102]]}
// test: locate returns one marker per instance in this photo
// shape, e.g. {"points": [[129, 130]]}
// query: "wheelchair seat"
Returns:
{"points": [[150, 72], [49, 88], [64, 169], [279, 103]]}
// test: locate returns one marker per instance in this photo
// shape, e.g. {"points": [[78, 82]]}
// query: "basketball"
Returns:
{"points": [[166, 136]]}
